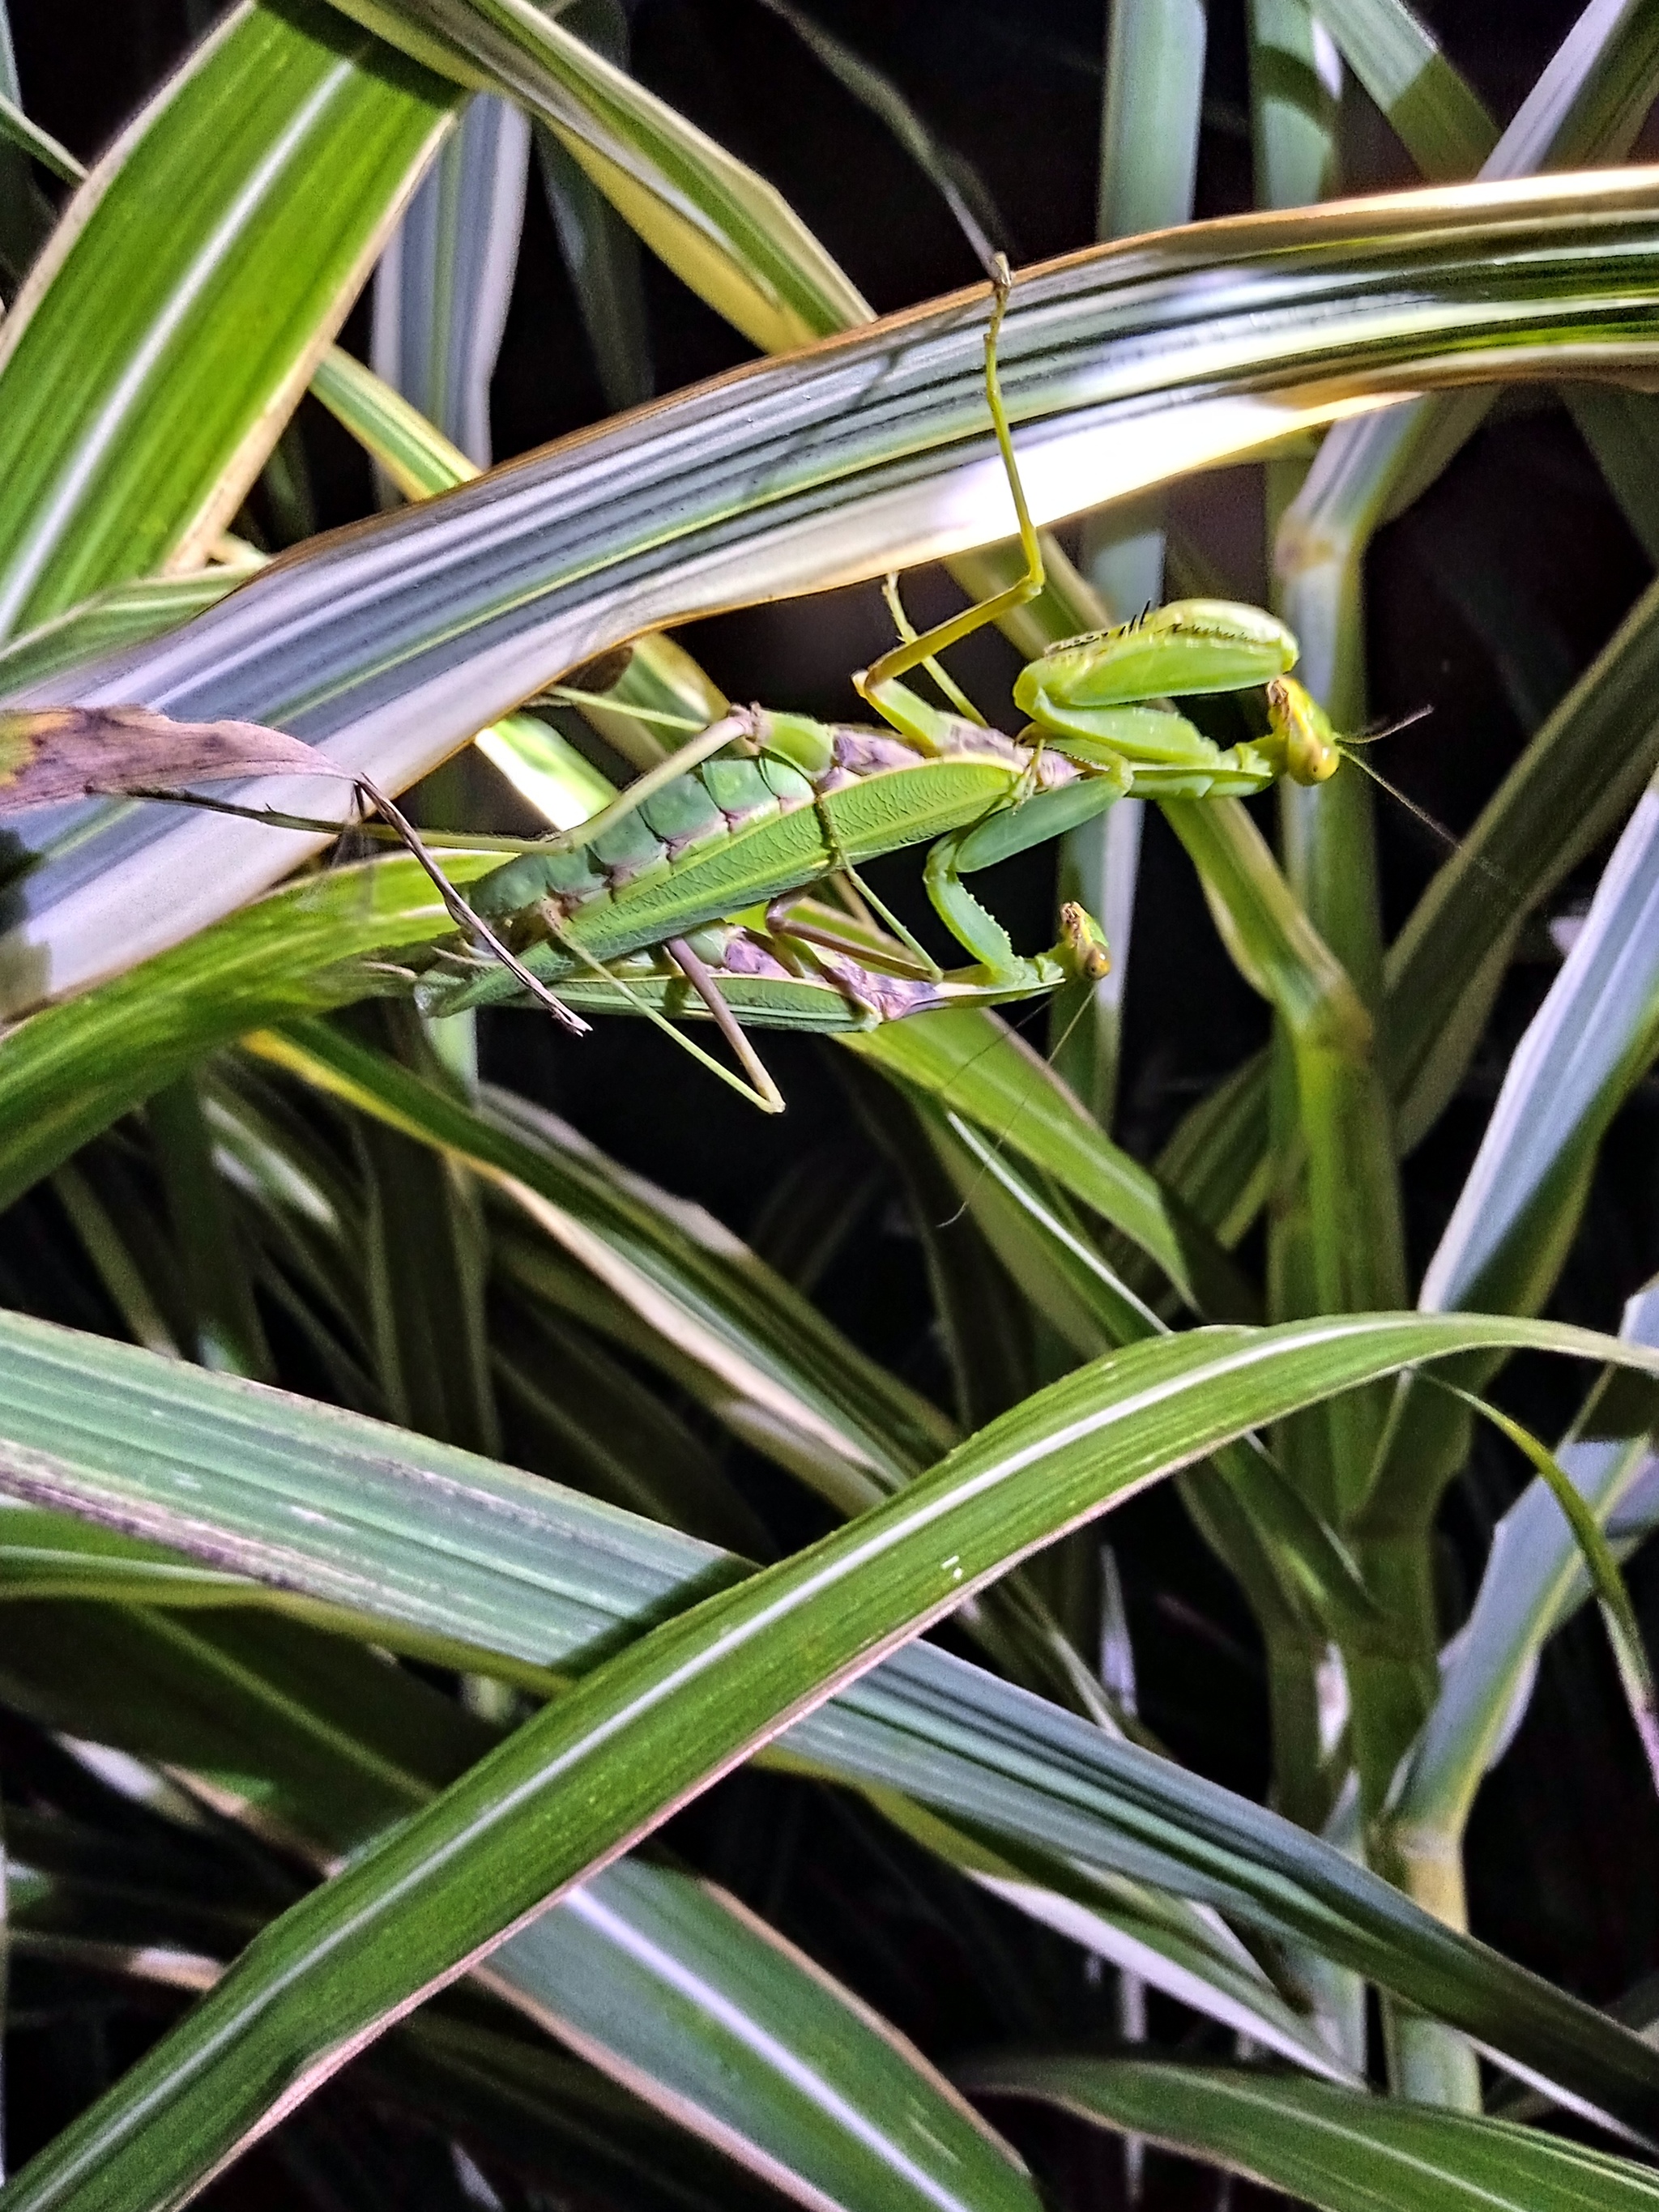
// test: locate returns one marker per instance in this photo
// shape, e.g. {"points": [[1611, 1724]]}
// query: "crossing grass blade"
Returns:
{"points": [[543, 1580], [647, 1729], [1535, 1579], [721, 228], [662, 1981], [1334, 2149]]}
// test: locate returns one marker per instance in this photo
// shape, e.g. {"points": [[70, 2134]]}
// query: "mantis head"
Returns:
{"points": [[1300, 733], [1082, 948]]}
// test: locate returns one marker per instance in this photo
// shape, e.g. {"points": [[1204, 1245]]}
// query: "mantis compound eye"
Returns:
{"points": [[1304, 730]]}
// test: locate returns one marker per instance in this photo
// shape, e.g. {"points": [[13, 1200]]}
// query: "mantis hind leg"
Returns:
{"points": [[914, 651]]}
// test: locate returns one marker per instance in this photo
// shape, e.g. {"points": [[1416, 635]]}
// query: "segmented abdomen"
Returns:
{"points": [[714, 805]]}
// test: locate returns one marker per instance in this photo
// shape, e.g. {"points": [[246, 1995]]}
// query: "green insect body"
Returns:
{"points": [[743, 831], [792, 800]]}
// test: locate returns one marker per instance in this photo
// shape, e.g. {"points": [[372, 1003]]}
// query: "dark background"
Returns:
{"points": [[1487, 599]]}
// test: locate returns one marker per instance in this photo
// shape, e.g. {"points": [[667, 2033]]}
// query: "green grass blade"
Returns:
{"points": [[445, 280], [1573, 786], [1296, 84], [659, 674], [1310, 1580], [662, 1981], [608, 1761], [1187, 1951], [530, 1571], [225, 1329], [1149, 119], [722, 230], [601, 253], [1621, 429], [1440, 121], [18, 130], [1587, 105], [608, 1434], [785, 1379], [426, 1258], [1334, 2149], [1535, 1579], [69, 1074], [1519, 1207], [859, 1431], [1149, 131], [26, 217], [126, 613], [673, 1987], [1353, 1237], [877, 468], [972, 1064], [1624, 1630], [151, 359], [1576, 781]]}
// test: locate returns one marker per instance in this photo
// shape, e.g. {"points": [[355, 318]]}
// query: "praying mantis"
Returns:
{"points": [[690, 886], [692, 889]]}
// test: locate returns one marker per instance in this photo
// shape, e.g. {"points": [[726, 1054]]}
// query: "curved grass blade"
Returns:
{"points": [[337, 1512], [663, 1982], [720, 229], [249, 198], [970, 1063], [658, 675], [1125, 366], [1294, 1566], [1337, 2149], [1535, 1579], [610, 1760], [1624, 1630]]}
